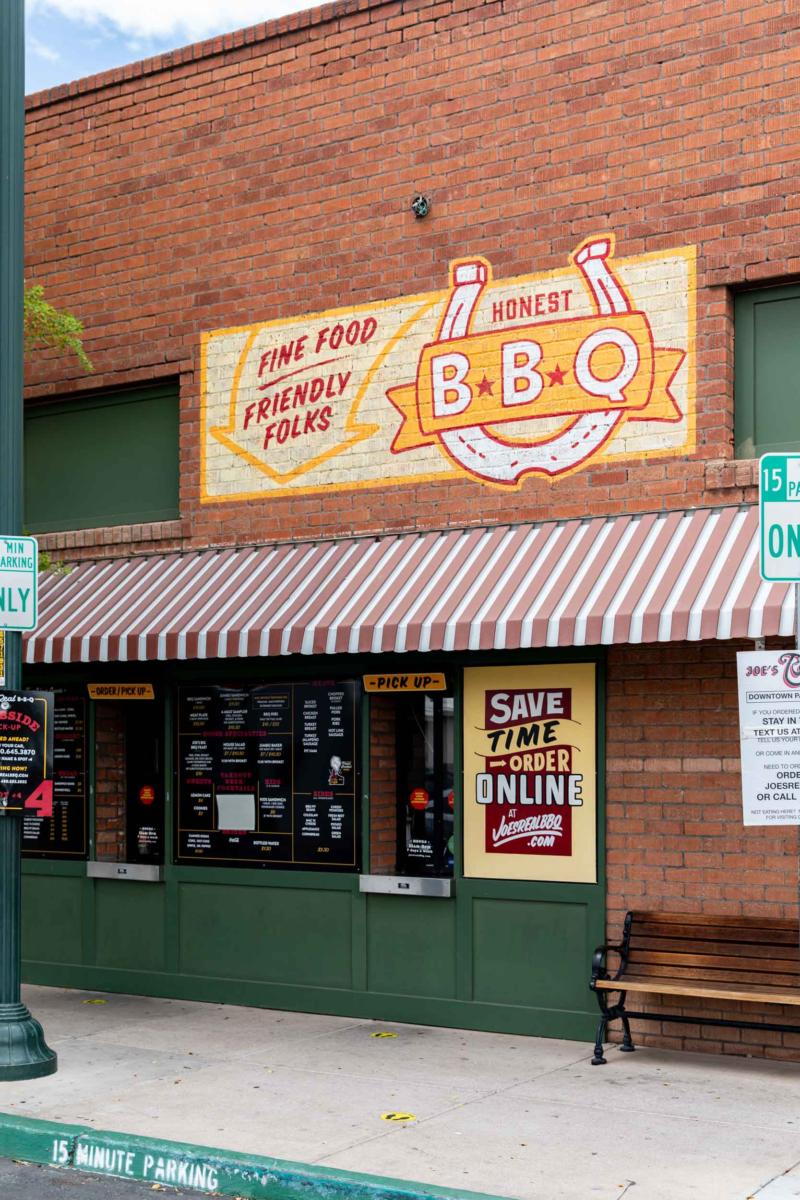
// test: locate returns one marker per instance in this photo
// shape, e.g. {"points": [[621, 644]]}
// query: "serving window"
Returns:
{"points": [[129, 784], [268, 775], [412, 794]]}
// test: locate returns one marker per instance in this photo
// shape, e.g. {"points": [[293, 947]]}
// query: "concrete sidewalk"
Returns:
{"points": [[510, 1116]]}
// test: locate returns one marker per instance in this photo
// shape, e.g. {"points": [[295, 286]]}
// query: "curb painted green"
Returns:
{"points": [[199, 1168]]}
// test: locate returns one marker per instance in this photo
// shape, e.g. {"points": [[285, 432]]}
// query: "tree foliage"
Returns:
{"points": [[52, 327], [45, 325]]}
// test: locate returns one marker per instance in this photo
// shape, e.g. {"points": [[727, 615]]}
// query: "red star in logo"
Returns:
{"points": [[556, 376], [485, 387]]}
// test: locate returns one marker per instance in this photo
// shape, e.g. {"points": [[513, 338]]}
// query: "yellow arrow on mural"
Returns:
{"points": [[330, 382]]}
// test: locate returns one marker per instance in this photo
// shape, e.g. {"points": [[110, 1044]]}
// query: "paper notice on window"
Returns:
{"points": [[236, 810], [769, 734]]}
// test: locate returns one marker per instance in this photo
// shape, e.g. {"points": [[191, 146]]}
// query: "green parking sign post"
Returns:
{"points": [[779, 526], [24, 1053]]}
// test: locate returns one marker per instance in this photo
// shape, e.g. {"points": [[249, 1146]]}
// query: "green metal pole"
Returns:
{"points": [[24, 1054]]}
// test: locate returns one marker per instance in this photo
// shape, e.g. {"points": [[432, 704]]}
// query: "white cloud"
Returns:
{"points": [[189, 20], [41, 50]]}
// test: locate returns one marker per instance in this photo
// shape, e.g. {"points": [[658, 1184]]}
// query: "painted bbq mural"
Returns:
{"points": [[495, 381]]}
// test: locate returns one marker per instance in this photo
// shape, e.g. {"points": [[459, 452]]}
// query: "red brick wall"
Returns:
{"points": [[110, 794], [270, 174], [675, 838]]}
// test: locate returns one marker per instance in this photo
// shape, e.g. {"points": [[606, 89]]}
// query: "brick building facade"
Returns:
{"points": [[193, 209]]}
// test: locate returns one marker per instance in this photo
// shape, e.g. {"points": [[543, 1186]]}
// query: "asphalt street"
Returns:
{"points": [[24, 1181]]}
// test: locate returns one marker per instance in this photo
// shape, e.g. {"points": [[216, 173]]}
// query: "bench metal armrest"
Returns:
{"points": [[600, 966]]}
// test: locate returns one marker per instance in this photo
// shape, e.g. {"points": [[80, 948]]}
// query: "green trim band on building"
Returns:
{"points": [[180, 1164]]}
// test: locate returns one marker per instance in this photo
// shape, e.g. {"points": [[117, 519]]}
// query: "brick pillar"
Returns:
{"points": [[383, 786], [110, 783]]}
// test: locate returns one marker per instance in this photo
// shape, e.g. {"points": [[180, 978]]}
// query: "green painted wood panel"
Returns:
{"points": [[411, 946], [767, 370], [284, 935], [106, 460], [129, 924], [530, 952], [508, 955], [52, 918]]}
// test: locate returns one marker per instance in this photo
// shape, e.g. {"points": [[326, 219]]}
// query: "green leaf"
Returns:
{"points": [[52, 327]]}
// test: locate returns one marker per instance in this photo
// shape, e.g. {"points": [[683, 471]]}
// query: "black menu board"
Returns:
{"points": [[64, 834], [268, 775]]}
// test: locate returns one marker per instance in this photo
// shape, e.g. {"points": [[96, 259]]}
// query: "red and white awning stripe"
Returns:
{"points": [[656, 577]]}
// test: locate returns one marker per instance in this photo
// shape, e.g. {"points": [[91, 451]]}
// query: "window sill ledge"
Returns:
{"points": [[440, 887], [114, 540]]}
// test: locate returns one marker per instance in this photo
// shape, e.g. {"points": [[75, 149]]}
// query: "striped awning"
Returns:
{"points": [[654, 577]]}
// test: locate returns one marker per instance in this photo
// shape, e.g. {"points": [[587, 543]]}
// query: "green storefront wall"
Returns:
{"points": [[508, 956]]}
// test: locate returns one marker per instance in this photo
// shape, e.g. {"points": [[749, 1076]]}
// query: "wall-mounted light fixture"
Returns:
{"points": [[420, 206]]}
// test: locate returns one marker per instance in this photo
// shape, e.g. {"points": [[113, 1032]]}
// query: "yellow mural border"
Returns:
{"points": [[426, 301]]}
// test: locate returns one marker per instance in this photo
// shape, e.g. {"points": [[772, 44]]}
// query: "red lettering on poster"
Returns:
{"points": [[41, 801]]}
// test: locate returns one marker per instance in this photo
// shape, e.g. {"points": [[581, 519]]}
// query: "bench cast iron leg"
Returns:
{"points": [[610, 1012], [598, 1059]]}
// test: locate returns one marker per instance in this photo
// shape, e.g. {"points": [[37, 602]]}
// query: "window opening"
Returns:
{"points": [[412, 797]]}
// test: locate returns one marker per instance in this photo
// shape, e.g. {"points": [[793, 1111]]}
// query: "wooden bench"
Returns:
{"points": [[750, 959]]}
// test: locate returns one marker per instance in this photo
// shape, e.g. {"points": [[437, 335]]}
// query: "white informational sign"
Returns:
{"points": [[769, 730], [779, 517], [19, 576]]}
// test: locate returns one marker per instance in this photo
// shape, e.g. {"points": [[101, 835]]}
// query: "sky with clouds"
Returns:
{"points": [[67, 39]]}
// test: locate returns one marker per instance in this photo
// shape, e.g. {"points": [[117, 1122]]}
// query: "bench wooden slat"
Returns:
{"points": [[664, 964], [721, 933], [690, 975], [688, 919], [669, 965], [739, 950], [713, 991], [658, 958]]}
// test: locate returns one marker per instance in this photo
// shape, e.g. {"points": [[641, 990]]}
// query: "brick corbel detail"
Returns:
{"points": [[722, 473]]}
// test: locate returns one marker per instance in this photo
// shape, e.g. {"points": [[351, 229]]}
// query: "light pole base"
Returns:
{"points": [[24, 1054]]}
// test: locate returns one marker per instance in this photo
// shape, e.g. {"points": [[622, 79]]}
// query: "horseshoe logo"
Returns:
{"points": [[615, 373]]}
